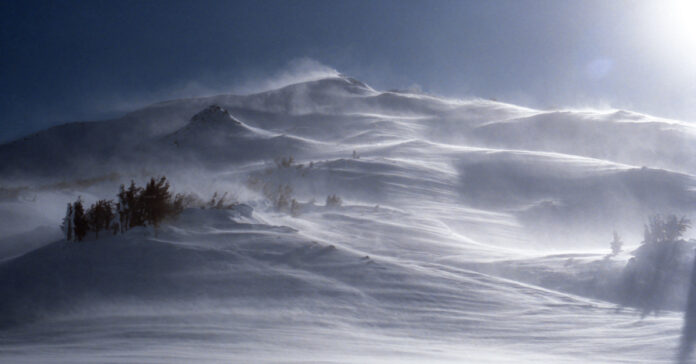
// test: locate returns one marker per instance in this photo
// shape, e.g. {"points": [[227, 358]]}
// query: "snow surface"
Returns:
{"points": [[468, 232]]}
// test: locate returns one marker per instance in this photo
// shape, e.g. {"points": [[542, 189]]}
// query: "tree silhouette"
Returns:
{"points": [[67, 225], [156, 201], [136, 206], [661, 230], [100, 215], [649, 277], [80, 224], [130, 207]]}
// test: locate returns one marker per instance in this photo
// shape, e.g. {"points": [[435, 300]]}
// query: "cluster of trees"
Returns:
{"points": [[665, 229], [135, 206], [656, 270]]}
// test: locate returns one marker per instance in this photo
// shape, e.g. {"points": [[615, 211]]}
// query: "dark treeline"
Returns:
{"points": [[135, 206]]}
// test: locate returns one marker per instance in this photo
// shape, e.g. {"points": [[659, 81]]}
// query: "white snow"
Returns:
{"points": [[465, 233]]}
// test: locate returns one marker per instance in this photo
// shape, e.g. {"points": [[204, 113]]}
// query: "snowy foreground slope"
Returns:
{"points": [[468, 232]]}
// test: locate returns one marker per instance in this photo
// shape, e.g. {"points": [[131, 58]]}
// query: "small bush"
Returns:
{"points": [[285, 162], [333, 201], [280, 195], [221, 201], [295, 208]]}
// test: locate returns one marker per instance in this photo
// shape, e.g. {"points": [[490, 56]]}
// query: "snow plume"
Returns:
{"points": [[217, 83], [297, 70], [113, 105]]}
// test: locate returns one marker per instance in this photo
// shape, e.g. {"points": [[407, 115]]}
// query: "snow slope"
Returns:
{"points": [[465, 232]]}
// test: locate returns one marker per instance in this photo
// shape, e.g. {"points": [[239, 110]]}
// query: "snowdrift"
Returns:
{"points": [[261, 282], [470, 231]]}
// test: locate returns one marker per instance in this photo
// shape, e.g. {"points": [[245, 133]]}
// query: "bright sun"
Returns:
{"points": [[676, 25]]}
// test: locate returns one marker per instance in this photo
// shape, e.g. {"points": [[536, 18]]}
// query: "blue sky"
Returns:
{"points": [[66, 61]]}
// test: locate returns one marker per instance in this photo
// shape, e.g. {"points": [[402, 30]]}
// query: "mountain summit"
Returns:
{"points": [[212, 126], [214, 116], [211, 122]]}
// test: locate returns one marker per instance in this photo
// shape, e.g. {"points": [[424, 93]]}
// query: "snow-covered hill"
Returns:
{"points": [[464, 227]]}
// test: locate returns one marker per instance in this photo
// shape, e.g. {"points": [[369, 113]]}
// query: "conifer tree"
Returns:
{"points": [[122, 209], [156, 201], [91, 217], [130, 209], [107, 214], [80, 225], [136, 216], [67, 225], [99, 216]]}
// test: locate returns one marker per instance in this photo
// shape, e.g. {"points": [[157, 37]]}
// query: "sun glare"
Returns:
{"points": [[676, 26]]}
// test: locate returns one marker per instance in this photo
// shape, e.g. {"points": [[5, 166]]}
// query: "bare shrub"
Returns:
{"points": [[295, 208], [223, 201], [284, 162], [333, 201]]}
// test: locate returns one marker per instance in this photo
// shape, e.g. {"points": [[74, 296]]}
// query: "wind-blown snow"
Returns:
{"points": [[465, 235]]}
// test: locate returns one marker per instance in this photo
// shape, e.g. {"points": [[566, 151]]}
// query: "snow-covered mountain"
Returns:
{"points": [[465, 234]]}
